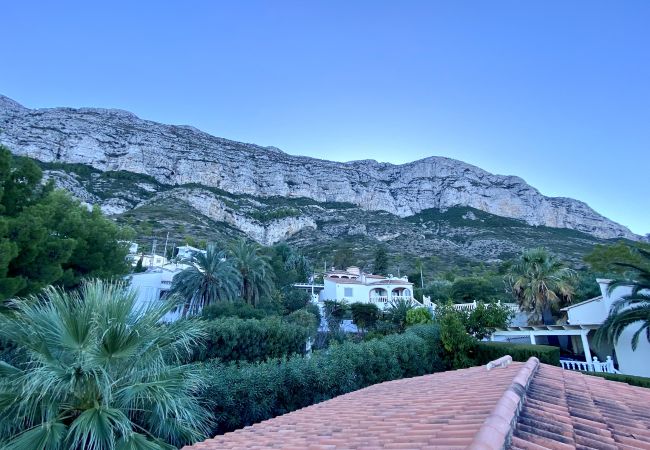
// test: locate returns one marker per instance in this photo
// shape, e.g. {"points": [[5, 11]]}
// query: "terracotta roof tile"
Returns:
{"points": [[526, 406], [443, 410], [565, 409]]}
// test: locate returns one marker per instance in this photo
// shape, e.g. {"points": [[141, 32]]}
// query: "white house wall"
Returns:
{"points": [[329, 291], [633, 362], [589, 313], [360, 292], [594, 313], [148, 287]]}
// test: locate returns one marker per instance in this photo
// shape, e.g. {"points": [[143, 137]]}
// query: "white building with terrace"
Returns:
{"points": [[354, 286], [583, 320]]}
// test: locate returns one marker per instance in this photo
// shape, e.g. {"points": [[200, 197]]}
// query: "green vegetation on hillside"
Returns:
{"points": [[462, 239]]}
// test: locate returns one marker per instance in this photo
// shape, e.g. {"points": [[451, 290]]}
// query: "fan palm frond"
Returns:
{"points": [[255, 271], [632, 309], [210, 278], [540, 282], [97, 372]]}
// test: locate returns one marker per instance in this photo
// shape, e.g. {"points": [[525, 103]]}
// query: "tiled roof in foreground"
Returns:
{"points": [[522, 406]]}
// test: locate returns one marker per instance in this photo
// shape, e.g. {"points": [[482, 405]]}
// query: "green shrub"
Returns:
{"points": [[232, 309], [483, 319], [335, 311], [364, 315], [293, 300], [397, 310], [233, 339], [315, 310], [489, 351], [241, 395], [305, 319], [629, 379], [458, 344], [419, 315]]}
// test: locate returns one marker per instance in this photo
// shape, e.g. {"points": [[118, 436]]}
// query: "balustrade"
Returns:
{"points": [[590, 366]]}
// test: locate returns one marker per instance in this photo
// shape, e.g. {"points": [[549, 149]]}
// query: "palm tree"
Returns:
{"points": [[540, 282], [632, 308], [94, 370], [255, 270], [397, 311], [209, 278]]}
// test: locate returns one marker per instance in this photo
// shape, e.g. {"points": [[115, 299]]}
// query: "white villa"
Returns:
{"points": [[187, 251], [152, 286], [354, 286], [584, 319]]}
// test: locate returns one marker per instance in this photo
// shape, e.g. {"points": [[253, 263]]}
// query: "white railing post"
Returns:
{"points": [[598, 367], [594, 365]]}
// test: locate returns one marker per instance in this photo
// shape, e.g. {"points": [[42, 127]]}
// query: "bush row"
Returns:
{"points": [[243, 394], [489, 351], [233, 339], [629, 379]]}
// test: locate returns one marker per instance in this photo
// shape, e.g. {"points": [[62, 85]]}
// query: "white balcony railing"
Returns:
{"points": [[386, 299], [472, 306], [594, 366]]}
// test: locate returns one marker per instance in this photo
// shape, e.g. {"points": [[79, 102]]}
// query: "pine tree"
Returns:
{"points": [[381, 261]]}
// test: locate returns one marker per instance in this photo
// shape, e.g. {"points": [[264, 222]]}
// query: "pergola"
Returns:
{"points": [[549, 330]]}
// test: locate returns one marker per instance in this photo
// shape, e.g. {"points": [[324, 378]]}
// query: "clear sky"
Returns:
{"points": [[557, 92]]}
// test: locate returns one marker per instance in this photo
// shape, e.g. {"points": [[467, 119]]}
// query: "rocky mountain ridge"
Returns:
{"points": [[118, 141]]}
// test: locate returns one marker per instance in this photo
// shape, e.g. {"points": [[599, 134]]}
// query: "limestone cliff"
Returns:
{"points": [[115, 140]]}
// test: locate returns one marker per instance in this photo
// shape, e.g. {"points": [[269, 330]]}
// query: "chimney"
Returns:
{"points": [[353, 270], [604, 284]]}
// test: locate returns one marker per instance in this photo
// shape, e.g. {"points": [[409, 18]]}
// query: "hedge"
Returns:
{"points": [[629, 379], [243, 394], [489, 351], [232, 309], [233, 339]]}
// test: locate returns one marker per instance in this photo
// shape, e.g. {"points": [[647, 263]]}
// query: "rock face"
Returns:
{"points": [[114, 140]]}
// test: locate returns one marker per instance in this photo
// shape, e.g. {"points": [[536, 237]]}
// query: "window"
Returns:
{"points": [[347, 292]]}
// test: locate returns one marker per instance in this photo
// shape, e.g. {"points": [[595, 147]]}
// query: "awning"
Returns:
{"points": [[550, 330]]}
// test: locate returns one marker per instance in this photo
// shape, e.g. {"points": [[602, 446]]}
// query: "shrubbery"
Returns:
{"points": [[232, 309], [489, 351], [457, 343], [305, 318], [233, 339], [629, 379], [365, 315], [334, 312], [243, 394], [419, 315]]}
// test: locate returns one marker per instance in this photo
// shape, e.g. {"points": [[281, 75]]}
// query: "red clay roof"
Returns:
{"points": [[566, 410], [344, 280], [522, 406], [391, 281]]}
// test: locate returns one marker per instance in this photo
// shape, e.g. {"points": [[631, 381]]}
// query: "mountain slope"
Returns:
{"points": [[172, 156]]}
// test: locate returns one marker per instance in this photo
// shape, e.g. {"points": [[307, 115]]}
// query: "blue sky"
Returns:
{"points": [[553, 91]]}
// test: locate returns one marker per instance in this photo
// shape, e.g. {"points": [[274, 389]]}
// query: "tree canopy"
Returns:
{"points": [[610, 260], [380, 265], [541, 283], [47, 237]]}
